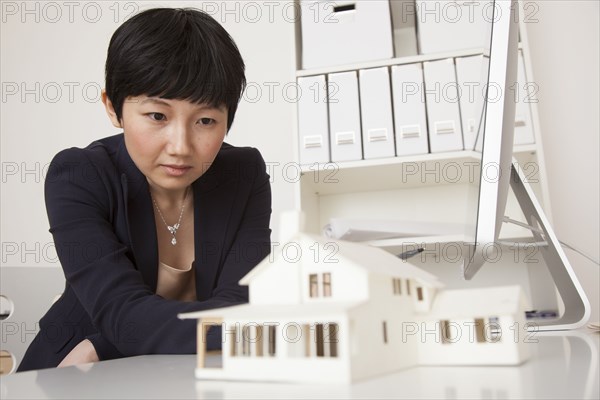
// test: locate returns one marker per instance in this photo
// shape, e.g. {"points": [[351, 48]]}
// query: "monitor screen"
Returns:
{"points": [[494, 139]]}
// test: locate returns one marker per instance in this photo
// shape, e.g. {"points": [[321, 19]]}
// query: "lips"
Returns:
{"points": [[175, 169]]}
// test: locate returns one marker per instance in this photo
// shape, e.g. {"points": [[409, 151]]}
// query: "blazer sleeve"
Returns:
{"points": [[252, 241], [130, 318]]}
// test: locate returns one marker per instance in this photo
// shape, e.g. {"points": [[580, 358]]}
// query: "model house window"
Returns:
{"points": [[487, 330], [494, 331], [384, 326], [314, 285], [408, 287], [446, 332], [326, 340], [320, 340], [327, 284], [419, 293], [397, 283], [271, 340], [203, 326], [332, 333], [246, 341], [480, 330], [259, 341], [232, 338]]}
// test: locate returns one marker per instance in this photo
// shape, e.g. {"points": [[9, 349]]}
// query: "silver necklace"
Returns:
{"points": [[172, 228]]}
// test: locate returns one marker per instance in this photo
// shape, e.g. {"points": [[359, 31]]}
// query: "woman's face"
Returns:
{"points": [[173, 142]]}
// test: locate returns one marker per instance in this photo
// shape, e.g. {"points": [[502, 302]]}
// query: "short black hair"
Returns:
{"points": [[175, 53]]}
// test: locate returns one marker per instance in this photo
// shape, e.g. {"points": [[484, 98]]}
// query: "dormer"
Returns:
{"points": [[309, 269]]}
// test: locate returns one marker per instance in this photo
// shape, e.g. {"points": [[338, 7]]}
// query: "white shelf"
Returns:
{"points": [[458, 167], [391, 160], [446, 243], [392, 61], [391, 173], [389, 62], [428, 242]]}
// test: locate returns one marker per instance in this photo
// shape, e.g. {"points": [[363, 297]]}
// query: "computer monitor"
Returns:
{"points": [[496, 137]]}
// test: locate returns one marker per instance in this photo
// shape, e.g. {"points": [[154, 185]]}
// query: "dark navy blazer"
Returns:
{"points": [[102, 221]]}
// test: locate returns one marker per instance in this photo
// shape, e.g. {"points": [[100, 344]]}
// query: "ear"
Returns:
{"points": [[110, 110]]}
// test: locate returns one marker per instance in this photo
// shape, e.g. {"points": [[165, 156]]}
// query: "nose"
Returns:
{"points": [[178, 143]]}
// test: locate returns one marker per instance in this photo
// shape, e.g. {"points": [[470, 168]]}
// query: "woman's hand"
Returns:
{"points": [[83, 353]]}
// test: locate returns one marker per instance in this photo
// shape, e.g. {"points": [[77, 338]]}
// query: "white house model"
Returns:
{"points": [[334, 311]]}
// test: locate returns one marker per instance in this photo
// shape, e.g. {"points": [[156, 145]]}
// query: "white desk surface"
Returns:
{"points": [[563, 365]]}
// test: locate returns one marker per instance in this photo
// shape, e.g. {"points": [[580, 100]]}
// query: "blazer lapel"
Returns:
{"points": [[213, 199], [140, 217], [214, 194]]}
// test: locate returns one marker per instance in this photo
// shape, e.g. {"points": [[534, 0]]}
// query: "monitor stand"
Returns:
{"points": [[576, 304]]}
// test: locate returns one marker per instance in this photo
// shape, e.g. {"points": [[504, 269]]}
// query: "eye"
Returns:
{"points": [[206, 121], [155, 116]]}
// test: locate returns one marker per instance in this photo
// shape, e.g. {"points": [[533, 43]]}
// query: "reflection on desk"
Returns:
{"points": [[563, 365]]}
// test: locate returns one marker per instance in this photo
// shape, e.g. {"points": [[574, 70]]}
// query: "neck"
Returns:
{"points": [[169, 198]]}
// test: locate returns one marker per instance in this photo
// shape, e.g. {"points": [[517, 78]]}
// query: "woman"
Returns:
{"points": [[164, 218]]}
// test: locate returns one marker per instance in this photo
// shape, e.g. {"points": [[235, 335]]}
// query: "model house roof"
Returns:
{"points": [[372, 259], [474, 303]]}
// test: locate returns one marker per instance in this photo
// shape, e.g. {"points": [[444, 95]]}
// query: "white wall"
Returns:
{"points": [[564, 45]]}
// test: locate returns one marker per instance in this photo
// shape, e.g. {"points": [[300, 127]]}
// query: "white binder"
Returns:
{"points": [[525, 93], [472, 79], [376, 113], [344, 117], [441, 94], [409, 109], [313, 130]]}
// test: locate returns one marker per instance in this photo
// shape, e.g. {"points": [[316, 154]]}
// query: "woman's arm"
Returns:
{"points": [[126, 312]]}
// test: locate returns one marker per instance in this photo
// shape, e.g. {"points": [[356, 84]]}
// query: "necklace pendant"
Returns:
{"points": [[171, 228]]}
